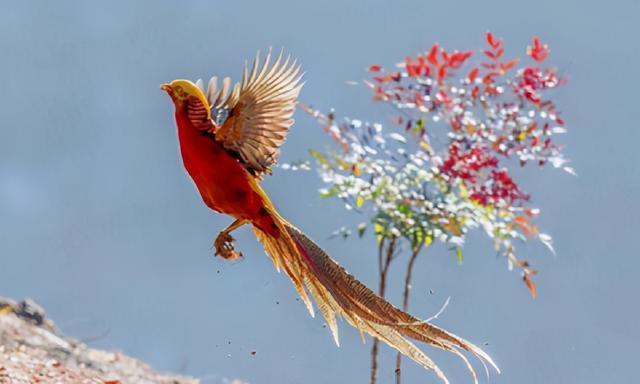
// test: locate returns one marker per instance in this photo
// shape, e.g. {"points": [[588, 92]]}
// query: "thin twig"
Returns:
{"points": [[385, 256], [405, 300], [374, 347]]}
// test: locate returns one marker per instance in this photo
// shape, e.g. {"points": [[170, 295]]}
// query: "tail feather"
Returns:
{"points": [[280, 255], [337, 293]]}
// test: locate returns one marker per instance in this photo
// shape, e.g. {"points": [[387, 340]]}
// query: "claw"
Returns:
{"points": [[224, 247]]}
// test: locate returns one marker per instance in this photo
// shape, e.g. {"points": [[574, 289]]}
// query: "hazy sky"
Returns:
{"points": [[100, 224]]}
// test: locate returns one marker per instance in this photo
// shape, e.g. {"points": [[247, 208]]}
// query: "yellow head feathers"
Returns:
{"points": [[181, 90]]}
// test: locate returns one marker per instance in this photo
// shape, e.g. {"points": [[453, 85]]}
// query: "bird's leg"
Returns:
{"points": [[224, 242]]}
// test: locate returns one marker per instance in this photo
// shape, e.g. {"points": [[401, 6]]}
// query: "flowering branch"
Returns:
{"points": [[463, 118]]}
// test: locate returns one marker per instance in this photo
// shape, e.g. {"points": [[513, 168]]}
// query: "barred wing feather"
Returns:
{"points": [[258, 110]]}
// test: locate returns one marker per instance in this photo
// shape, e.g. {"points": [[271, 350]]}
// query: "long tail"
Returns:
{"points": [[337, 293]]}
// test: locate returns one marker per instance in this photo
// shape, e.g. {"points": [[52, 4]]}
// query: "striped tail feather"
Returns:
{"points": [[337, 293]]}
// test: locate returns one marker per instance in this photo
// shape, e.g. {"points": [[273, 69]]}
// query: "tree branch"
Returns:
{"points": [[385, 256], [405, 299]]}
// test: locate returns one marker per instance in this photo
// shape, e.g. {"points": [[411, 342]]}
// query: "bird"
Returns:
{"points": [[229, 140]]}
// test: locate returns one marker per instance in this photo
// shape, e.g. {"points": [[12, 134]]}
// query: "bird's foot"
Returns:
{"points": [[224, 247]]}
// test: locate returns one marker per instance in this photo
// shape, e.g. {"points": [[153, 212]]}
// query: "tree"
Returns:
{"points": [[462, 124]]}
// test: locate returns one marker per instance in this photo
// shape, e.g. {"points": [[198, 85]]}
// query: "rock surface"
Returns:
{"points": [[33, 351]]}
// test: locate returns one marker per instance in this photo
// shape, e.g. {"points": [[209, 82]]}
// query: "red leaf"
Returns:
{"points": [[523, 223], [442, 73], [458, 58], [475, 92], [538, 51], [490, 39], [375, 68], [494, 54], [412, 71], [433, 55], [509, 64], [530, 284], [445, 55], [473, 74], [493, 42], [488, 78], [536, 42], [490, 54]]}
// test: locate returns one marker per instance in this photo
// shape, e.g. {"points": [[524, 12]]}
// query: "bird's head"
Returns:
{"points": [[181, 91]]}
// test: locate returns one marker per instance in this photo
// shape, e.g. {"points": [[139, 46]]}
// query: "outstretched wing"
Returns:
{"points": [[257, 112]]}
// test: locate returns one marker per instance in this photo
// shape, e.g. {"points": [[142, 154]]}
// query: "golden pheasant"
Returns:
{"points": [[231, 137]]}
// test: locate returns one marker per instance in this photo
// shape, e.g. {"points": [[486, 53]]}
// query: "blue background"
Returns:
{"points": [[100, 224]]}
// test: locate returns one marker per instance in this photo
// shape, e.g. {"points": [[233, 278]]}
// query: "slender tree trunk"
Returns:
{"points": [[405, 300], [386, 252]]}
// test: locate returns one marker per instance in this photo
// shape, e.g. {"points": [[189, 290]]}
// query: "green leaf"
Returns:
{"points": [[331, 192], [362, 227], [405, 210], [428, 240], [419, 236], [417, 128], [319, 157], [378, 191], [343, 164], [459, 255], [463, 191]]}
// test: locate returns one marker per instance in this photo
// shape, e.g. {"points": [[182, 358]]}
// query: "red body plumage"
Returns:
{"points": [[223, 183]]}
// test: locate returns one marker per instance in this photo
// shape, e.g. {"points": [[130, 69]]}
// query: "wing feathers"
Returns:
{"points": [[259, 107], [200, 84], [222, 95], [212, 89]]}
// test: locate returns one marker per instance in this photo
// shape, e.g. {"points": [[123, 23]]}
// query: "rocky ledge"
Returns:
{"points": [[32, 350]]}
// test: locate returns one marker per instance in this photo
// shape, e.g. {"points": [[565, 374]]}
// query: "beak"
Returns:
{"points": [[165, 87]]}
